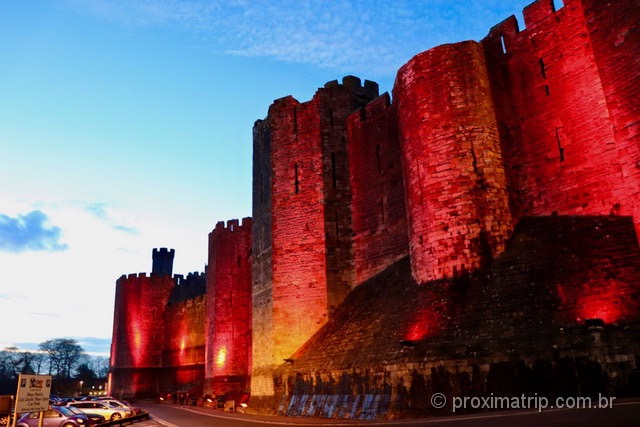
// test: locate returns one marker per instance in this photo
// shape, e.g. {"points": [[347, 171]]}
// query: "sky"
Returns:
{"points": [[126, 125]]}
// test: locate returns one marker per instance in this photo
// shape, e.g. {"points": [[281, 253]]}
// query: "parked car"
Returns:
{"points": [[93, 418], [104, 409], [123, 405], [56, 416]]}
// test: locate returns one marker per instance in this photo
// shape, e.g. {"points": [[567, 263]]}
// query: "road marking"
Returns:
{"points": [[163, 422]]}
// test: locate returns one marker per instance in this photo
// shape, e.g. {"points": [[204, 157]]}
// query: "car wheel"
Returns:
{"points": [[68, 425], [116, 416]]}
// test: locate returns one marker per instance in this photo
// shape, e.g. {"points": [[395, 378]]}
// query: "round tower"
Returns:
{"points": [[458, 213]]}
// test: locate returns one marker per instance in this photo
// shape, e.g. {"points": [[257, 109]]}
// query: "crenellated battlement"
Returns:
{"points": [[190, 280], [501, 37], [507, 35], [233, 225], [383, 102], [285, 102], [354, 84], [537, 12], [163, 252]]}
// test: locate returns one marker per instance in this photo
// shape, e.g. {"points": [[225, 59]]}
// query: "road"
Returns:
{"points": [[624, 413]]}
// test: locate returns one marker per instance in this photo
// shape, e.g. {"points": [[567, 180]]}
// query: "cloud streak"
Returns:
{"points": [[347, 35], [99, 210], [30, 232]]}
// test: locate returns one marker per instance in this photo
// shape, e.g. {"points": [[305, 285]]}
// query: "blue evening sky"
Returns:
{"points": [[127, 125]]}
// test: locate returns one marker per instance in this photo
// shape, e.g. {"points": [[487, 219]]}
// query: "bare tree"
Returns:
{"points": [[64, 354], [9, 364], [101, 366]]}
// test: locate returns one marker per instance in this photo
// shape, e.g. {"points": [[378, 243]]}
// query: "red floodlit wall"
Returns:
{"points": [[261, 267], [184, 343], [228, 323], [299, 291], [138, 331], [614, 29], [302, 241], [377, 195], [558, 103], [458, 213]]}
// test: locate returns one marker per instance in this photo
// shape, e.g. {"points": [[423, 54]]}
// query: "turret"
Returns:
{"points": [[163, 261]]}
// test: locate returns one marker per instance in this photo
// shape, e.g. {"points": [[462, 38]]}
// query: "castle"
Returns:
{"points": [[479, 227]]}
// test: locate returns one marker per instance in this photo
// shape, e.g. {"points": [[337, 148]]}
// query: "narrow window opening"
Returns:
{"points": [[557, 5], [333, 170], [543, 70], [261, 188], [379, 159], [296, 182], [295, 120], [559, 137], [504, 46], [546, 90]]}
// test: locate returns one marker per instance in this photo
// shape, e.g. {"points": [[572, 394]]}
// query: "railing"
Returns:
{"points": [[125, 421]]}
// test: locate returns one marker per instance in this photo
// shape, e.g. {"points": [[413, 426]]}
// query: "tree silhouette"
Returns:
{"points": [[64, 354]]}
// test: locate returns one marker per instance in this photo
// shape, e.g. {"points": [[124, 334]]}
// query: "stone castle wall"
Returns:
{"points": [[228, 308], [534, 129], [303, 263]]}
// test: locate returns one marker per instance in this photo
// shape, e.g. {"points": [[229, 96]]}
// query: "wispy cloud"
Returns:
{"points": [[100, 211], [48, 315], [29, 232], [348, 35]]}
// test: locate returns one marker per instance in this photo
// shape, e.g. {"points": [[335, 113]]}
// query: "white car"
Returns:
{"points": [[119, 405], [102, 408]]}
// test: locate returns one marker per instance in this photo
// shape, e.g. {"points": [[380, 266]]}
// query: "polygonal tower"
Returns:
{"points": [[303, 263], [228, 314]]}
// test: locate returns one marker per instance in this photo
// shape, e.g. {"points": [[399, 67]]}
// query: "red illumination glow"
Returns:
{"points": [[221, 358], [597, 299], [137, 342], [604, 302], [424, 323]]}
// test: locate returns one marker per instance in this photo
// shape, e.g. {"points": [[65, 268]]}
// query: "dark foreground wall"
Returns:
{"points": [[556, 314]]}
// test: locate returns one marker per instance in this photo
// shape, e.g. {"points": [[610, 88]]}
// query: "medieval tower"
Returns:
{"points": [[303, 264], [479, 225]]}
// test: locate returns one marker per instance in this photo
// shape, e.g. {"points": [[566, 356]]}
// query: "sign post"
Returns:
{"points": [[32, 395]]}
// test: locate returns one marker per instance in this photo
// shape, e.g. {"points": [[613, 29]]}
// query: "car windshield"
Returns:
{"points": [[73, 409], [65, 411]]}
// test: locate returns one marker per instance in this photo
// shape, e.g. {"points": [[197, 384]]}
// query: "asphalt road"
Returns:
{"points": [[624, 413]]}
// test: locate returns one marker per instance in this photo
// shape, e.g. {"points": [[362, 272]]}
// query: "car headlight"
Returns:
{"points": [[80, 421]]}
